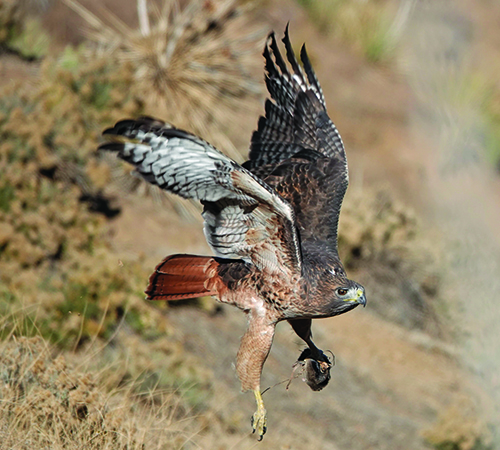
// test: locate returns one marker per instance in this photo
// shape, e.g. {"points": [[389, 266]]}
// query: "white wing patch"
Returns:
{"points": [[244, 217]]}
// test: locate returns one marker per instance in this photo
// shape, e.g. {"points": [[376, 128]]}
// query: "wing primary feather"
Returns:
{"points": [[277, 54], [290, 55], [311, 75], [184, 164], [270, 67]]}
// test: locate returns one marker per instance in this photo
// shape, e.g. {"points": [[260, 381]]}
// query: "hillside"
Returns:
{"points": [[416, 369]]}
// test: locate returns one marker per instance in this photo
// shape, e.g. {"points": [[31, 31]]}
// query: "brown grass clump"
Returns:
{"points": [[192, 64], [47, 402]]}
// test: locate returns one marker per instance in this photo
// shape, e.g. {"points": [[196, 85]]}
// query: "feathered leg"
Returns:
{"points": [[253, 352]]}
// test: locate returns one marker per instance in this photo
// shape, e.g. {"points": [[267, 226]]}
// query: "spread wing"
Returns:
{"points": [[296, 116], [297, 148], [244, 217]]}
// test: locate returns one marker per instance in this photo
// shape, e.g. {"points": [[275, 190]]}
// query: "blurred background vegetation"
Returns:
{"points": [[86, 362]]}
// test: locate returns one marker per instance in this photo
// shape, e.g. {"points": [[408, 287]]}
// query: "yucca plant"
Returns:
{"points": [[193, 65]]}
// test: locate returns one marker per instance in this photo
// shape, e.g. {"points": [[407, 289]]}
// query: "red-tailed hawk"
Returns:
{"points": [[271, 222]]}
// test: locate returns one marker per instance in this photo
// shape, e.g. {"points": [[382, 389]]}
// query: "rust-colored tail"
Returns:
{"points": [[179, 277]]}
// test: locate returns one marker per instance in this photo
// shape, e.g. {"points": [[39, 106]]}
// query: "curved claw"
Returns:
{"points": [[259, 419], [316, 354]]}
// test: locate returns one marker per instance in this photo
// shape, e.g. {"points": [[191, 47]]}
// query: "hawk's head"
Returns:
{"points": [[339, 293], [347, 294]]}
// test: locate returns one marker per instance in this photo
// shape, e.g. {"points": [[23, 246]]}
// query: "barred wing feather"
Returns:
{"points": [[296, 118], [244, 217], [296, 148]]}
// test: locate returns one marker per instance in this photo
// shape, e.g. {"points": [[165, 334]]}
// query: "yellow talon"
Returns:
{"points": [[259, 419]]}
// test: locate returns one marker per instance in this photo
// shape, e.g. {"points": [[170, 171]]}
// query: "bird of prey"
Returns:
{"points": [[271, 222]]}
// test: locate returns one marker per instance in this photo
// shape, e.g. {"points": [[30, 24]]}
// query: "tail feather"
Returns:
{"points": [[180, 277]]}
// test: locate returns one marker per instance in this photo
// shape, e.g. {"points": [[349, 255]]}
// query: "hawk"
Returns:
{"points": [[271, 222]]}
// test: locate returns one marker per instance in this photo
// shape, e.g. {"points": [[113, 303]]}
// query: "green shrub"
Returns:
{"points": [[55, 256], [30, 41]]}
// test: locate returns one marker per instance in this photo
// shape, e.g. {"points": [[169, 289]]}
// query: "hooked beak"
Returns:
{"points": [[361, 299]]}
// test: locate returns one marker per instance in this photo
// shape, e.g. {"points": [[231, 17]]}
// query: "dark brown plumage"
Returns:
{"points": [[272, 222]]}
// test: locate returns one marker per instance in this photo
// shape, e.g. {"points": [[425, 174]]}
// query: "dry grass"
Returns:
{"points": [[56, 257], [47, 401], [20, 33]]}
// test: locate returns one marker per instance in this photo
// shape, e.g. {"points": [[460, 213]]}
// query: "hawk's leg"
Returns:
{"points": [[259, 418], [303, 329], [254, 348], [316, 364]]}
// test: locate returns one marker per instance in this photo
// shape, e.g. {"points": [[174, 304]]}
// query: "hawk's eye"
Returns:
{"points": [[341, 291]]}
